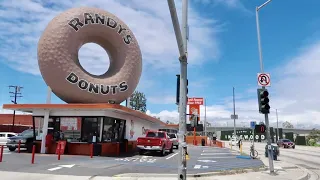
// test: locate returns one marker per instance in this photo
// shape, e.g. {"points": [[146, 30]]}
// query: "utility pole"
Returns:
{"points": [[181, 37], [277, 125], [234, 116], [263, 87], [16, 94], [205, 117]]}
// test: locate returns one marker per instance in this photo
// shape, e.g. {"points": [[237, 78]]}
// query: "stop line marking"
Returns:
{"points": [[172, 156]]}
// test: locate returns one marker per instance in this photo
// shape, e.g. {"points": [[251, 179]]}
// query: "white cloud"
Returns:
{"points": [[22, 22], [295, 96], [232, 4], [162, 99]]}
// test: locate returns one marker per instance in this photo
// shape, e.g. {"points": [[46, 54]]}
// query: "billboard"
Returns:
{"points": [[194, 106]]}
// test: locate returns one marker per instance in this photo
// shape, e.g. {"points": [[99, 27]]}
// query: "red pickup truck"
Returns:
{"points": [[155, 141]]}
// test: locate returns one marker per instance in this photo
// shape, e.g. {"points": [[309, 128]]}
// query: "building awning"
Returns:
{"points": [[85, 107]]}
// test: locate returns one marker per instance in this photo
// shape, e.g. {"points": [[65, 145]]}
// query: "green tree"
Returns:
{"points": [[287, 125], [138, 101], [314, 134], [208, 124]]}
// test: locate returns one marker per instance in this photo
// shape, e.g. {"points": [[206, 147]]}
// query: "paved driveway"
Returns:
{"points": [[202, 160]]}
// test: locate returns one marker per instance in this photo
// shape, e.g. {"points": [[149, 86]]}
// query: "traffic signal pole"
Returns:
{"points": [[270, 153], [181, 38]]}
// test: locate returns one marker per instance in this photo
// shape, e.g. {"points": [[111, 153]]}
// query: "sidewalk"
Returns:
{"points": [[282, 169]]}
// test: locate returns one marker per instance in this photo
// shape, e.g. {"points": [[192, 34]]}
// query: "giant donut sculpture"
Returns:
{"points": [[60, 67]]}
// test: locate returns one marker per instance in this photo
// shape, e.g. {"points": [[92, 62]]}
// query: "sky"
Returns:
{"points": [[222, 49]]}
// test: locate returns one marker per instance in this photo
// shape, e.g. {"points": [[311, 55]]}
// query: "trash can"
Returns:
{"points": [[275, 152], [203, 142]]}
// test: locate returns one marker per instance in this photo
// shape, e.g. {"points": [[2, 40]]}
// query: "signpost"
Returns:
{"points": [[264, 80], [253, 125]]}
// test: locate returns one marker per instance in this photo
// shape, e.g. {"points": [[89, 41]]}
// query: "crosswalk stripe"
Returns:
{"points": [[224, 157], [210, 154]]}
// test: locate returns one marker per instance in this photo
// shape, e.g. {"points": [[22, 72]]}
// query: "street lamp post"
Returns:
{"points": [[277, 125], [234, 114], [263, 87], [181, 37]]}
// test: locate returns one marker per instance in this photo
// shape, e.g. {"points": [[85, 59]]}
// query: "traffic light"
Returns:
{"points": [[187, 88], [178, 90], [261, 128], [263, 101]]}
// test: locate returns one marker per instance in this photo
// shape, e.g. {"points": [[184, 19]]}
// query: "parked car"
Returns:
{"points": [[286, 143], [155, 141], [174, 139], [4, 137], [25, 138]]}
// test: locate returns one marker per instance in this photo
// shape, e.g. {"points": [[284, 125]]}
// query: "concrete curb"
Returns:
{"points": [[225, 172], [305, 175]]}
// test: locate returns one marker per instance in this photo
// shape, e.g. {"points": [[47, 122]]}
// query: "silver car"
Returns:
{"points": [[174, 139]]}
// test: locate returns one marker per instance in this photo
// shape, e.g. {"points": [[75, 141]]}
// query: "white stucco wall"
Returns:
{"points": [[134, 128]]}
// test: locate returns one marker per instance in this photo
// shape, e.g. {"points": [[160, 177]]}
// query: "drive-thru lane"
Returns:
{"points": [[202, 160]]}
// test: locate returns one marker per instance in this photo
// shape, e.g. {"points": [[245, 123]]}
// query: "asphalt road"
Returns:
{"points": [[202, 160], [305, 156]]}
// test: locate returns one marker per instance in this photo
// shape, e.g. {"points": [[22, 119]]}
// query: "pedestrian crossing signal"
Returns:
{"points": [[261, 128]]}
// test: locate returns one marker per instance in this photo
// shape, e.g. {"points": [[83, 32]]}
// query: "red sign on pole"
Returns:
{"points": [[198, 101], [62, 145]]}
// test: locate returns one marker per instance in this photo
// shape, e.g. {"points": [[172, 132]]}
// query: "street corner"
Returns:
{"points": [[213, 160]]}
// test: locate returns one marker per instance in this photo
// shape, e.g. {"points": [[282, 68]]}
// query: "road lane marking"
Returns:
{"points": [[197, 167], [53, 169], [142, 159], [210, 154], [61, 166], [224, 157], [206, 161], [213, 150], [172, 156]]}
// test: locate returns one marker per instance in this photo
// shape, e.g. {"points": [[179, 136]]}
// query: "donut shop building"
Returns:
{"points": [[93, 117], [115, 127]]}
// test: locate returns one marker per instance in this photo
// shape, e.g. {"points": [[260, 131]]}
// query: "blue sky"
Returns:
{"points": [[223, 53]]}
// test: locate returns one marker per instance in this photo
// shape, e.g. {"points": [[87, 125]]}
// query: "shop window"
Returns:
{"points": [[70, 129], [38, 121], [90, 128], [113, 130]]}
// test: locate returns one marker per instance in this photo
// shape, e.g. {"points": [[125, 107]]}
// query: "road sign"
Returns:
{"points": [[252, 124], [264, 79], [234, 116]]}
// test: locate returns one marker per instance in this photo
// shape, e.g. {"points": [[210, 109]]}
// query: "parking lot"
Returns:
{"points": [[202, 160]]}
